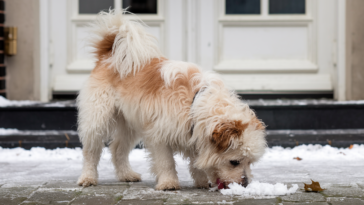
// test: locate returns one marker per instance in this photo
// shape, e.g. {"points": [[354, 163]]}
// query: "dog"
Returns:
{"points": [[134, 93]]}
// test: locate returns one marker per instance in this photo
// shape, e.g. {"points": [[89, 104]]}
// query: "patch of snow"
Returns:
{"points": [[257, 188], [314, 153], [315, 132], [25, 133], [4, 131], [24, 103], [6, 103], [301, 102]]}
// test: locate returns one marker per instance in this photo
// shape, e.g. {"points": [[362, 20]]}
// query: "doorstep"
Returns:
{"points": [[285, 138]]}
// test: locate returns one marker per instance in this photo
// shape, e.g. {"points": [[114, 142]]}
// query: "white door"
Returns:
{"points": [[257, 46], [269, 45]]}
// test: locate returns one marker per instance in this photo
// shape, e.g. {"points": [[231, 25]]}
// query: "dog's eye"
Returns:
{"points": [[234, 162]]}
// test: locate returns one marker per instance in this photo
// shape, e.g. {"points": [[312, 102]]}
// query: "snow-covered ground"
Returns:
{"points": [[272, 173], [278, 102], [301, 102], [23, 103]]}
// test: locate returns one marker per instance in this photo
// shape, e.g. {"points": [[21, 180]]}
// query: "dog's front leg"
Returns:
{"points": [[198, 175], [164, 167]]}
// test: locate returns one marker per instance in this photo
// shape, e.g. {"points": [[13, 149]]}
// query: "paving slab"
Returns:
{"points": [[272, 201], [52, 196], [344, 201], [306, 203], [69, 184], [343, 192], [200, 196], [95, 200], [105, 193], [15, 195], [304, 197], [141, 202]]}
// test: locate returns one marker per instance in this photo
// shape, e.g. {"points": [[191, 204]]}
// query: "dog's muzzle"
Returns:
{"points": [[225, 185]]}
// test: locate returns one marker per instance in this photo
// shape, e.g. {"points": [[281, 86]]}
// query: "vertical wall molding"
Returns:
{"points": [[2, 54], [340, 90], [41, 58]]}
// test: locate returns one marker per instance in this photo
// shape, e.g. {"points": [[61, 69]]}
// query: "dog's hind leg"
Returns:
{"points": [[96, 108], [123, 142], [164, 167]]}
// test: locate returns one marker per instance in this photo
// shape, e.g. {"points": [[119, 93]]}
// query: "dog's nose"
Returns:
{"points": [[244, 181]]}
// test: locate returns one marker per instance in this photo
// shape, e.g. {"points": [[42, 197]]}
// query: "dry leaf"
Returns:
{"points": [[297, 158], [329, 141], [342, 153], [315, 186], [351, 146]]}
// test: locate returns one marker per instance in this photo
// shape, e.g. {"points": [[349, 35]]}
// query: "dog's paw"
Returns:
{"points": [[167, 186], [86, 181], [203, 185], [130, 176]]}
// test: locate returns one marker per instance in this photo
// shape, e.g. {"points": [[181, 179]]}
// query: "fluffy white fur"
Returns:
{"points": [[135, 94], [133, 47]]}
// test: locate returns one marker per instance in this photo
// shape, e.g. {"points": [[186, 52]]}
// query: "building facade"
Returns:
{"points": [[258, 46]]}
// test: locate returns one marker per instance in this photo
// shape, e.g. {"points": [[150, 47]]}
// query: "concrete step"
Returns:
{"points": [[285, 138], [276, 114], [289, 123]]}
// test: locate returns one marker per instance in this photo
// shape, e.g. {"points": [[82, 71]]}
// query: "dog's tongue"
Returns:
{"points": [[220, 185]]}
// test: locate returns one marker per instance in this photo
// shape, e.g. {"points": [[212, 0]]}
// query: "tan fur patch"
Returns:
{"points": [[225, 132], [148, 90], [104, 47]]}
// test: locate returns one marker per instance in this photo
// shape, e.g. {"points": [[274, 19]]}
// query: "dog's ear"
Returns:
{"points": [[257, 123], [225, 132]]}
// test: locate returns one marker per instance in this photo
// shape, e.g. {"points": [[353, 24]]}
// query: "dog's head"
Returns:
{"points": [[229, 139]]}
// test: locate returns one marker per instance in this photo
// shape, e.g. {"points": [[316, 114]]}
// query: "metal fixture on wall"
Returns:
{"points": [[2, 55], [11, 35]]}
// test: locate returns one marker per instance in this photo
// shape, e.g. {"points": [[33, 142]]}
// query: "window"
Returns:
{"points": [[134, 6], [242, 6], [94, 6], [141, 6], [248, 7], [287, 7]]}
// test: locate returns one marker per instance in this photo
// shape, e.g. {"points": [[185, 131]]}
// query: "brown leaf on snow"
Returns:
{"points": [[297, 158], [351, 146], [315, 186], [342, 153]]}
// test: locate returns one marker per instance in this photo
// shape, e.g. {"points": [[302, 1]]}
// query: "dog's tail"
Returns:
{"points": [[123, 43]]}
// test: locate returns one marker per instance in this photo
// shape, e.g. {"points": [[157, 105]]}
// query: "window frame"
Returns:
{"points": [[76, 20]]}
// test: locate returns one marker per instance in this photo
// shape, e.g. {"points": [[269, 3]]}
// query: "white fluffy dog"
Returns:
{"points": [[134, 93]]}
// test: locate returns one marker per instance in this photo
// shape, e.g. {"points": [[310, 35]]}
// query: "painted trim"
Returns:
{"points": [[340, 90], [45, 91]]}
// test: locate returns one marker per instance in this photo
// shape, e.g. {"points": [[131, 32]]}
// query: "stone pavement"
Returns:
{"points": [[54, 182], [110, 192]]}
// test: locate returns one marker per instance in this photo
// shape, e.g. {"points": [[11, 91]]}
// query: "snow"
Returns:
{"points": [[4, 131], [314, 153], [25, 133], [280, 102], [275, 174], [256, 188], [5, 102], [23, 103]]}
